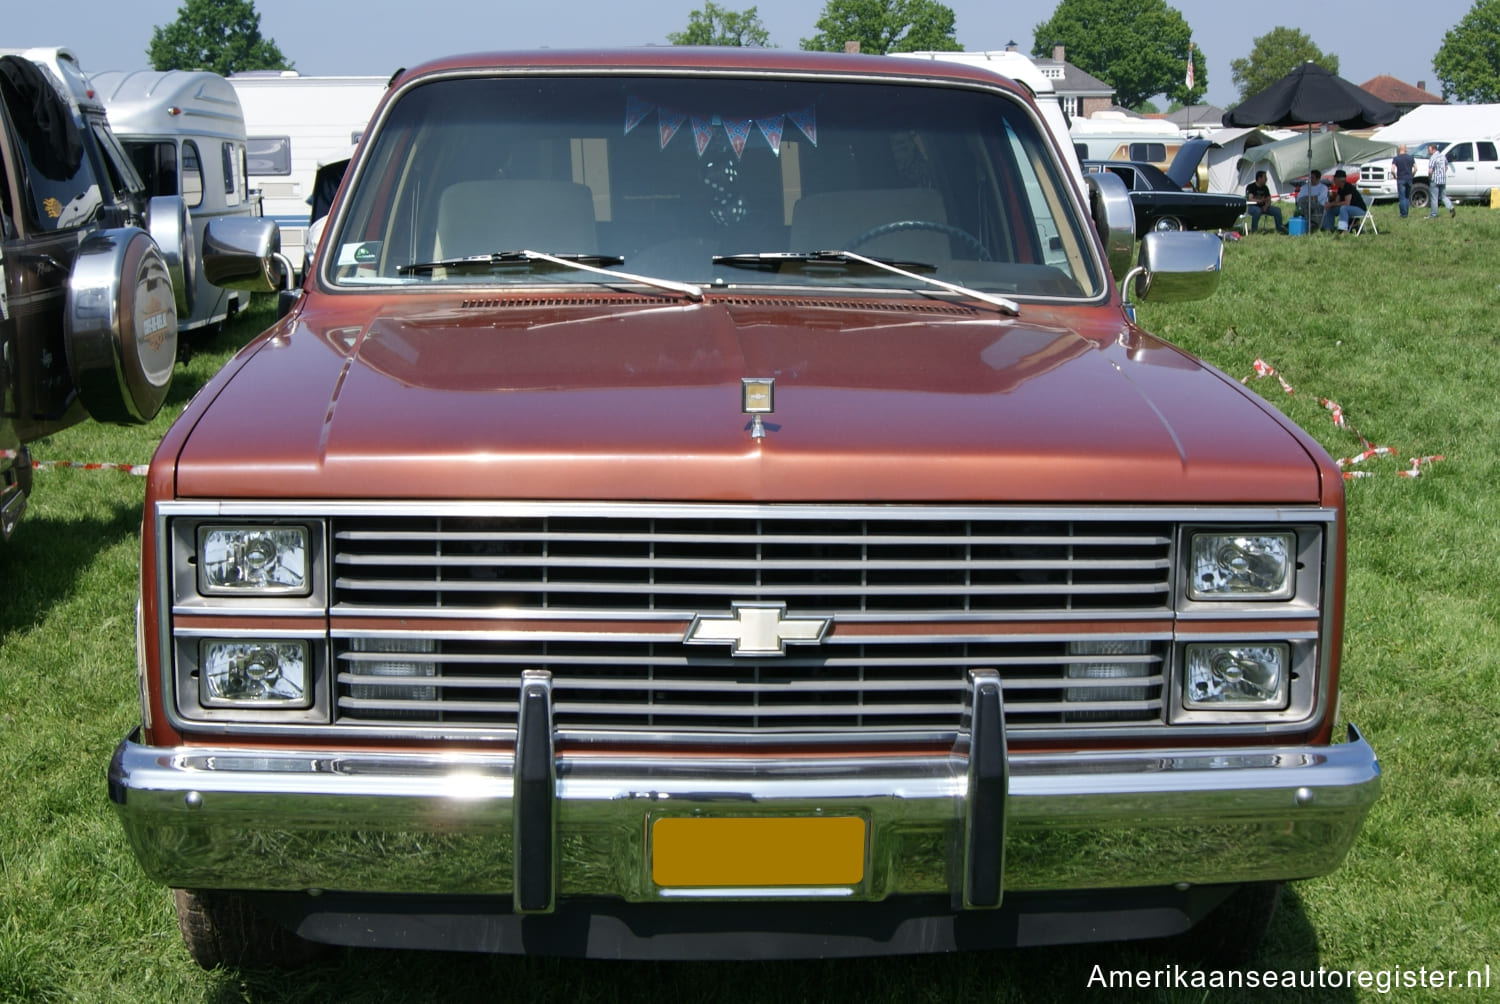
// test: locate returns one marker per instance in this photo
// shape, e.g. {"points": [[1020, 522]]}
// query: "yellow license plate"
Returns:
{"points": [[758, 851]]}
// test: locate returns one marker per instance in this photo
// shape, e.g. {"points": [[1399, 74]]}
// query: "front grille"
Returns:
{"points": [[905, 592], [695, 565], [665, 687]]}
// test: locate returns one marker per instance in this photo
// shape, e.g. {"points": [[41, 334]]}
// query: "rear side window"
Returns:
{"points": [[1152, 152], [1486, 151], [58, 185], [269, 154]]}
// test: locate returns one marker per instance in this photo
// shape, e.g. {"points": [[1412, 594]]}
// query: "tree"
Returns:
{"points": [[1468, 61], [1139, 47], [715, 25], [1274, 55], [218, 35], [881, 26]]}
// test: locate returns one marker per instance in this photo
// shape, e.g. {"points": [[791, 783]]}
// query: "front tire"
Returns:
{"points": [[222, 929], [1421, 196]]}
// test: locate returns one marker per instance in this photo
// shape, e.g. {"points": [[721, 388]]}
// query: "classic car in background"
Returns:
{"points": [[1167, 200], [719, 503], [93, 271]]}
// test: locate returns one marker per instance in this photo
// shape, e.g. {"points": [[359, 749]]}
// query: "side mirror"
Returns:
{"points": [[244, 253], [1175, 267], [1114, 218]]}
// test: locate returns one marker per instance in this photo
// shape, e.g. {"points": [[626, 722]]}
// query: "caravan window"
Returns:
{"points": [[1149, 152], [156, 163], [192, 175], [229, 166], [270, 154]]}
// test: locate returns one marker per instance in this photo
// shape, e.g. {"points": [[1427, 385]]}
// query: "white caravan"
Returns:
{"points": [[295, 125], [185, 133]]}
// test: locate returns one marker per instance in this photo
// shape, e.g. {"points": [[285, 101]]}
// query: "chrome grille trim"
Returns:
{"points": [[885, 674], [861, 559], [903, 683]]}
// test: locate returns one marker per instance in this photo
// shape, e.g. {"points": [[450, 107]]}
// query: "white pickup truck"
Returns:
{"points": [[1473, 170]]}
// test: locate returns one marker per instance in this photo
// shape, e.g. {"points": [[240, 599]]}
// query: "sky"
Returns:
{"points": [[1370, 37]]}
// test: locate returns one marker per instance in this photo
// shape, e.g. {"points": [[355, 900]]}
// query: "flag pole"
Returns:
{"points": [[1189, 82]]}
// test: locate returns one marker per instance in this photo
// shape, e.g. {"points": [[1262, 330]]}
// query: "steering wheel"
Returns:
{"points": [[901, 226]]}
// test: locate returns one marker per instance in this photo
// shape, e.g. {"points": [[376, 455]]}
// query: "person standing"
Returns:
{"points": [[1405, 165], [1437, 169], [1258, 204]]}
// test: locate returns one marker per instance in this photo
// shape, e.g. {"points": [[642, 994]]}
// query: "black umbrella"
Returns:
{"points": [[1310, 95]]}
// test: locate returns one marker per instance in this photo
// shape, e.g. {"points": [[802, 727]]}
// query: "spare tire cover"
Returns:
{"points": [[121, 326]]}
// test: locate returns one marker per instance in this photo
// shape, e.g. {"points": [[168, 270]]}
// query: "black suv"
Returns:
{"points": [[92, 270]]}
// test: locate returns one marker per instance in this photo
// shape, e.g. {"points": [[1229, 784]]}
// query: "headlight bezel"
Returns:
{"points": [[190, 593], [189, 649], [1299, 683], [1302, 592]]}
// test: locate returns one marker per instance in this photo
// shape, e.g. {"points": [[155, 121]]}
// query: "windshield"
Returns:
{"points": [[681, 178]]}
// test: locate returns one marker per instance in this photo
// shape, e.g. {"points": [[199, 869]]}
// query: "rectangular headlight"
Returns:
{"points": [[254, 560], [1242, 566], [262, 674], [1224, 676]]}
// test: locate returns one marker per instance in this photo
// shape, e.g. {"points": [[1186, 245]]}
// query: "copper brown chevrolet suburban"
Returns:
{"points": [[713, 504]]}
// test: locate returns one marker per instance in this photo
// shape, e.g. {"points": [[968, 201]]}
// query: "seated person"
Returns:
{"points": [[1258, 204], [1344, 203], [1312, 200]]}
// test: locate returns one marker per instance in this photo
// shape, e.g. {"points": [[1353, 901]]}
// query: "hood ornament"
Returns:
{"points": [[757, 398]]}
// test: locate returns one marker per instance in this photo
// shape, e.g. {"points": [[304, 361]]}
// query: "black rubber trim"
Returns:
{"points": [[535, 799], [989, 780], [609, 929]]}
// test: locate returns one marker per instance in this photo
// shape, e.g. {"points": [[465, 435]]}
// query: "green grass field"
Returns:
{"points": [[1400, 330]]}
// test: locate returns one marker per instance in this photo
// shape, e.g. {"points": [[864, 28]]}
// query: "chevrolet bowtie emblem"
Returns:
{"points": [[756, 629]]}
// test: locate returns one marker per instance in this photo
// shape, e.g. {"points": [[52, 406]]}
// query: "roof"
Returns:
{"points": [[1445, 122], [1398, 92], [708, 59], [141, 102], [1069, 80], [1198, 115]]}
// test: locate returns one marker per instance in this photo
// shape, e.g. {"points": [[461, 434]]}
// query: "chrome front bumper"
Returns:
{"points": [[537, 828]]}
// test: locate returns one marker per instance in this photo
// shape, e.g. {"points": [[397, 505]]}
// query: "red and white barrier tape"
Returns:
{"points": [[139, 470], [1418, 464]]}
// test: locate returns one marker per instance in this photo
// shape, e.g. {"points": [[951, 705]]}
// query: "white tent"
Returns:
{"points": [[1224, 160], [1426, 123]]}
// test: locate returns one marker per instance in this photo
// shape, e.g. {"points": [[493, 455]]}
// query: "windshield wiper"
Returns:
{"points": [[484, 261], [773, 261], [778, 261], [576, 262]]}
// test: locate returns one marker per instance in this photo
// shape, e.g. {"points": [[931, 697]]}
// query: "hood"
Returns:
{"points": [[624, 398], [1185, 163]]}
